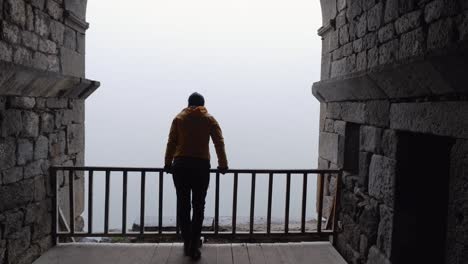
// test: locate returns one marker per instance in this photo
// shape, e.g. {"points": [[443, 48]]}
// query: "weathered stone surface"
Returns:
{"points": [[7, 153], [70, 38], [16, 11], [40, 190], [12, 123], [382, 179], [13, 223], [438, 118], [38, 3], [412, 44], [57, 103], [329, 126], [10, 33], [47, 46], [391, 10], [373, 58], [386, 33], [24, 153], [30, 255], [370, 138], [389, 144], [369, 221], [388, 52], [6, 52], [23, 56], [73, 63], [15, 195], [41, 148], [463, 27], [47, 123], [19, 244], [30, 124], [57, 32], [29, 18], [385, 233], [433, 10], [375, 17], [361, 61], [408, 22], [376, 257], [361, 26], [78, 7], [34, 169], [441, 34], [353, 112], [57, 144], [54, 9], [22, 102], [340, 127], [354, 9], [80, 43], [378, 113], [341, 5], [42, 23], [30, 40], [12, 175], [331, 147]]}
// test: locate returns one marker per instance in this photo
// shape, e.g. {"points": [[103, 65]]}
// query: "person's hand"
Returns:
{"points": [[222, 170], [168, 168]]}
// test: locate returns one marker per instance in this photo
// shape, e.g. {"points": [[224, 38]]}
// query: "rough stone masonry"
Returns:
{"points": [[42, 93], [391, 66]]}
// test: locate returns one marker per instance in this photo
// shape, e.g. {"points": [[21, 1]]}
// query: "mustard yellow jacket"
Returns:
{"points": [[190, 135]]}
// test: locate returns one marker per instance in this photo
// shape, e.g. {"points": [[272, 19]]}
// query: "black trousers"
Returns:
{"points": [[191, 182]]}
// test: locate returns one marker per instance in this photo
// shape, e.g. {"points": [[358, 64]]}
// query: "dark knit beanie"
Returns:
{"points": [[196, 99]]}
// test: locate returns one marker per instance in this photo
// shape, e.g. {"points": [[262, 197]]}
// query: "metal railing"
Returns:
{"points": [[321, 232]]}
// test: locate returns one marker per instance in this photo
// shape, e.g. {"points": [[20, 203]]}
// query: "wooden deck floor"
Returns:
{"points": [[284, 253]]}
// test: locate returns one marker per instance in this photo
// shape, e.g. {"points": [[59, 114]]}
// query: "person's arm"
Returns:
{"points": [[171, 144], [218, 140]]}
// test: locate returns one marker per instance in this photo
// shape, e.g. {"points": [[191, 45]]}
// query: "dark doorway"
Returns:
{"points": [[421, 198]]}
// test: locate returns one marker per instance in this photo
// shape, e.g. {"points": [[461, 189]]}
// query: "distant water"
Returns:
{"points": [[226, 199]]}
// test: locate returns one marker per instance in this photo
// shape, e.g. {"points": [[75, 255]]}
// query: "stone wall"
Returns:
{"points": [[391, 67], [35, 134]]}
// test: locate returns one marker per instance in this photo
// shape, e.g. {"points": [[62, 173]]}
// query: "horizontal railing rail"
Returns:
{"points": [[320, 233]]}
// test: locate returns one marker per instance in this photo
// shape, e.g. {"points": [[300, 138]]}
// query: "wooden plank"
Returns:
{"points": [[255, 254], [224, 254], [162, 253], [209, 254], [271, 254], [240, 254]]}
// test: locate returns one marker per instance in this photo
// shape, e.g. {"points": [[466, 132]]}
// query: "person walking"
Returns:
{"points": [[188, 159]]}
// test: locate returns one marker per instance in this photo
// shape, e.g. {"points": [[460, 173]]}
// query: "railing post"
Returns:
{"points": [[90, 202], [160, 206], [252, 205], [106, 203], [124, 201], [53, 175], [320, 204], [216, 222], [288, 195], [71, 192], [336, 207], [142, 202], [304, 203], [270, 194], [234, 204]]}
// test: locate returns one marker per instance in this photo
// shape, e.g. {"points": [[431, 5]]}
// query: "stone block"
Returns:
{"points": [[370, 40], [433, 10], [41, 148], [438, 118], [373, 58], [348, 49], [57, 103], [17, 194], [38, 3], [13, 223], [412, 44], [361, 26], [75, 138], [378, 113], [364, 163], [408, 22], [388, 52], [340, 127], [406, 6], [329, 126], [30, 255], [363, 247], [6, 52], [12, 175], [376, 257], [354, 9], [30, 124], [73, 63], [15, 10], [386, 33], [78, 7], [47, 123], [47, 46], [358, 45], [7, 153], [370, 138], [441, 34], [30, 40], [80, 43], [337, 54], [23, 56], [338, 68], [42, 23], [22, 102], [57, 30], [57, 144], [385, 233], [369, 221], [340, 5], [382, 179], [10, 33], [391, 11], [389, 143], [18, 245], [69, 38], [375, 17], [54, 9], [12, 124], [333, 110], [29, 18], [40, 190], [340, 20], [34, 169], [24, 153], [331, 147], [333, 40], [353, 112]]}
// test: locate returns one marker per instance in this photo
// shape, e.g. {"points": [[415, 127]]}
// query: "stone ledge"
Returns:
{"points": [[416, 77], [25, 81]]}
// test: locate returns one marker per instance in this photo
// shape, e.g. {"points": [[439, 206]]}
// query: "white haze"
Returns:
{"points": [[253, 60]]}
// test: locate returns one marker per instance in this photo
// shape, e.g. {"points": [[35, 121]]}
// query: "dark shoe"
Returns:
{"points": [[187, 248], [195, 253]]}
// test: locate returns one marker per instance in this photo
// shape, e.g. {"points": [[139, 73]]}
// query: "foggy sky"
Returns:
{"points": [[253, 60]]}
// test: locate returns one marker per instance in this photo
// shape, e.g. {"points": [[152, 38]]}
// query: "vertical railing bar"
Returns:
{"points": [[234, 203], [160, 206], [106, 203], [320, 204], [71, 192], [270, 196], [53, 175], [287, 202], [216, 223], [124, 201], [336, 207], [142, 202], [90, 201], [304, 203], [252, 204]]}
